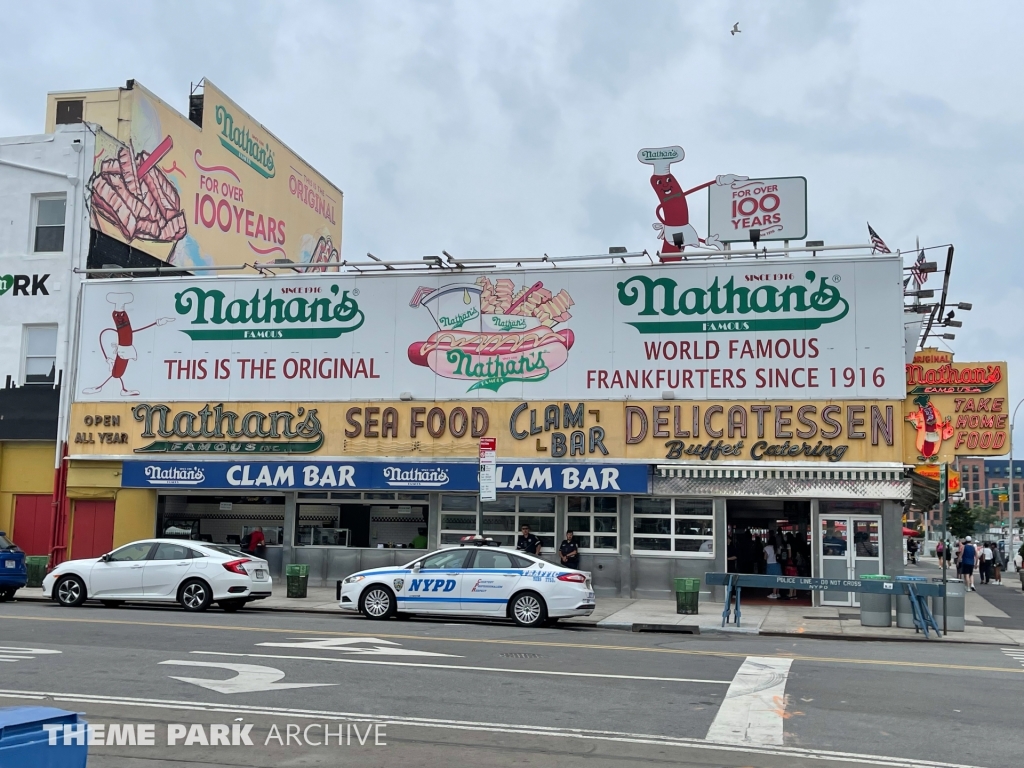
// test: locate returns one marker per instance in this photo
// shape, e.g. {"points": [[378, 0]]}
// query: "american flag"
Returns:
{"points": [[877, 243], [919, 277]]}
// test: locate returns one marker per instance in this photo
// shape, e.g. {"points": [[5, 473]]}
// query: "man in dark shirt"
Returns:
{"points": [[527, 542], [569, 553]]}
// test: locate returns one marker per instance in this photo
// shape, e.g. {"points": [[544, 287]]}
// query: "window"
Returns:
{"points": [[679, 526], [49, 237], [172, 552], [40, 354], [132, 553], [594, 522], [453, 558], [70, 111], [496, 559], [500, 519]]}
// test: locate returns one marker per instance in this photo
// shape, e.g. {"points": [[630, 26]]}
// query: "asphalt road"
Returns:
{"points": [[460, 693]]}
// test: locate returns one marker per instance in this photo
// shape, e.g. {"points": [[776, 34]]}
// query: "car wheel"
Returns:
{"points": [[231, 605], [195, 596], [112, 603], [70, 591], [377, 603], [528, 610]]}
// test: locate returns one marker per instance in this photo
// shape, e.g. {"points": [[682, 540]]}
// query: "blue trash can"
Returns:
{"points": [[24, 741]]}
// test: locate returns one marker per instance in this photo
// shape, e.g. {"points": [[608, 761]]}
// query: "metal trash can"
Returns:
{"points": [[23, 740], [875, 609], [297, 577], [904, 610], [957, 598], [687, 595], [36, 567]]}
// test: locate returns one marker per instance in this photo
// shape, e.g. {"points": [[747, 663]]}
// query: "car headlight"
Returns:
{"points": [[353, 579]]}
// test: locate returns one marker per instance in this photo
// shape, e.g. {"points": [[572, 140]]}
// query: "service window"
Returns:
{"points": [[458, 517], [674, 526], [500, 519], [594, 522]]}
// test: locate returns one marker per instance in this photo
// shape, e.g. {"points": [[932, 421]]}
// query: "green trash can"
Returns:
{"points": [[687, 594], [36, 567], [297, 577]]}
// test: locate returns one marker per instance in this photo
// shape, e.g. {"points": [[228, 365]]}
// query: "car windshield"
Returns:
{"points": [[6, 544], [226, 550]]}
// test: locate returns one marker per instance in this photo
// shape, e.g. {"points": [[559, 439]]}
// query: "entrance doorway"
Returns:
{"points": [[851, 546], [785, 525]]}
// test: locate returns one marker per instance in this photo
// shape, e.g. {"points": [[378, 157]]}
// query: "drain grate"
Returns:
{"points": [[520, 655]]}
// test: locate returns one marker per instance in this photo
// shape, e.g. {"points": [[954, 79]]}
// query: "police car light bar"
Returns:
{"points": [[478, 541]]}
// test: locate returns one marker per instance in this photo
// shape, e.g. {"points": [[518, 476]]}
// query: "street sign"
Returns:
{"points": [[488, 468]]}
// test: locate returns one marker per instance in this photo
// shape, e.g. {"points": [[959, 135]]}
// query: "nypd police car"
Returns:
{"points": [[474, 579]]}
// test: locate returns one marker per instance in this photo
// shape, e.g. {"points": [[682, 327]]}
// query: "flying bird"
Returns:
{"points": [[735, 28]]}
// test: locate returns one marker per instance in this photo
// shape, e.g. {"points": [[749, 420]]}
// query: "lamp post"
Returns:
{"points": [[1010, 552]]}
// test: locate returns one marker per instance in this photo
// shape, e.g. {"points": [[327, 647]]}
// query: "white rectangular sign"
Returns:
{"points": [[777, 207], [745, 329]]}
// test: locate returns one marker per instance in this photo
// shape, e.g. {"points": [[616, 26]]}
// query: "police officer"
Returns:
{"points": [[569, 553], [527, 542]]}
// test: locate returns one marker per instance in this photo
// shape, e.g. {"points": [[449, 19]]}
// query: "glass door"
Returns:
{"points": [[851, 546]]}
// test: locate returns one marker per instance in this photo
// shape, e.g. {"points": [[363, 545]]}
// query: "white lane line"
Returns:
{"points": [[463, 667], [1014, 654], [468, 725], [755, 705]]}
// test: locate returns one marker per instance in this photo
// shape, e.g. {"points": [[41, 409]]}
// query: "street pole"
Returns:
{"points": [[1011, 553], [944, 501]]}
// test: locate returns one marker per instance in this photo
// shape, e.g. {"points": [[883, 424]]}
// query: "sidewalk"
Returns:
{"points": [[999, 621]]}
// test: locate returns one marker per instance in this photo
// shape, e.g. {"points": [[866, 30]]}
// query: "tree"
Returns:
{"points": [[960, 520], [985, 518]]}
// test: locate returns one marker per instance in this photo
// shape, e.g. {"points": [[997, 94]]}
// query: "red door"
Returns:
{"points": [[92, 532], [33, 523]]}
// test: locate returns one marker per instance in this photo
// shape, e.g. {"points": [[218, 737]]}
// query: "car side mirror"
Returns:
{"points": [[105, 558], [415, 567]]}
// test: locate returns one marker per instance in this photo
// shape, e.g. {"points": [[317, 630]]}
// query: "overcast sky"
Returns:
{"points": [[512, 128]]}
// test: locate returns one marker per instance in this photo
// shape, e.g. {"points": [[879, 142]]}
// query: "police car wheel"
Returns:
{"points": [[528, 610], [377, 603]]}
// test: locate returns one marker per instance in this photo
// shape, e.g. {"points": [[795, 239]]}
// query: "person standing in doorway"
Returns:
{"points": [[569, 552], [771, 563], [968, 559]]}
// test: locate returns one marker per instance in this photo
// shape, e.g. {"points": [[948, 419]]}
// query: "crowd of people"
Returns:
{"points": [[971, 557], [774, 553]]}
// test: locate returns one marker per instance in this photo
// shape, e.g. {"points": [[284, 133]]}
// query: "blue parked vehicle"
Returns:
{"points": [[13, 574]]}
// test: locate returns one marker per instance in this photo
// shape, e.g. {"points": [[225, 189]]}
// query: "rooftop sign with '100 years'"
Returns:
{"points": [[823, 328]]}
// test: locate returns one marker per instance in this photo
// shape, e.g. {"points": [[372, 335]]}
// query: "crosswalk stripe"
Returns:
{"points": [[1015, 655], [754, 709]]}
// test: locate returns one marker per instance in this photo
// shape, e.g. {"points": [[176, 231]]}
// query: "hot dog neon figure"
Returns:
{"points": [[116, 343], [673, 212]]}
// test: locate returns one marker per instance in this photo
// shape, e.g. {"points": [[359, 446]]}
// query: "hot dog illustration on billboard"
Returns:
{"points": [[493, 333], [673, 212], [117, 343], [931, 428]]}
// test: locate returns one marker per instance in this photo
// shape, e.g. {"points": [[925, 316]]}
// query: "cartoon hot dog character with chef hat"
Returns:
{"points": [[931, 428], [116, 343], [673, 212]]}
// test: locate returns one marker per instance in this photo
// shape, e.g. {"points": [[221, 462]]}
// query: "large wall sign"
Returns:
{"points": [[567, 431], [788, 329], [226, 193], [954, 409], [248, 475]]}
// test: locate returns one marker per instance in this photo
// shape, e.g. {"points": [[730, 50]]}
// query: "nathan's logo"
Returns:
{"points": [[733, 308], [951, 380], [238, 141], [183, 475], [492, 334], [429, 477], [302, 318], [216, 430]]}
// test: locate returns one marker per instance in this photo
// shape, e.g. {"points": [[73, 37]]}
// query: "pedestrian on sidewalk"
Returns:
{"points": [[569, 552], [959, 554], [997, 565], [968, 558], [771, 564], [949, 552], [987, 561], [940, 552]]}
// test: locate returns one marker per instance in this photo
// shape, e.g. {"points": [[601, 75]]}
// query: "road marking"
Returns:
{"points": [[249, 678], [461, 667], [1014, 653], [349, 645], [528, 643], [11, 653], [755, 704], [468, 725]]}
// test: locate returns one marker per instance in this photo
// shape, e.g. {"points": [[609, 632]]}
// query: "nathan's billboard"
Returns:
{"points": [[954, 409], [827, 433], [815, 329], [223, 193]]}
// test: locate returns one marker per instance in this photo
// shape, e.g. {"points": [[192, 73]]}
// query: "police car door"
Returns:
{"points": [[436, 587], [489, 581]]}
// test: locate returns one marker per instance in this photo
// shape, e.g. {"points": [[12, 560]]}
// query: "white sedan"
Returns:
{"points": [[192, 573], [480, 580]]}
